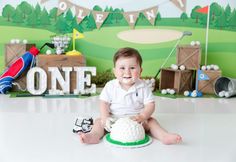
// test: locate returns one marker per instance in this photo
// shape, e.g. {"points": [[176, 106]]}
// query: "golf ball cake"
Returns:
{"points": [[126, 130], [127, 133]]}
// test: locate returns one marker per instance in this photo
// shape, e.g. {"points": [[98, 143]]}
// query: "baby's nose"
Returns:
{"points": [[127, 71]]}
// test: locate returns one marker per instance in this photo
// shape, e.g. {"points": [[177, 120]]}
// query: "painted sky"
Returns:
{"points": [[167, 9]]}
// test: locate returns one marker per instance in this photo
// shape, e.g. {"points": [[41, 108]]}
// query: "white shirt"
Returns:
{"points": [[124, 102]]}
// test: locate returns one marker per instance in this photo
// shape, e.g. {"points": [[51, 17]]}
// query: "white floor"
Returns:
{"points": [[40, 130]]}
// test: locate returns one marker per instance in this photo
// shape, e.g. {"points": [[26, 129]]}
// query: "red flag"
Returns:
{"points": [[203, 10]]}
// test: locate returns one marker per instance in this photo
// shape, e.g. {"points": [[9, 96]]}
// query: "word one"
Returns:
{"points": [[37, 80]]}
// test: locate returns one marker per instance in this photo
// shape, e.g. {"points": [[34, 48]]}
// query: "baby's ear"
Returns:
{"points": [[141, 70]]}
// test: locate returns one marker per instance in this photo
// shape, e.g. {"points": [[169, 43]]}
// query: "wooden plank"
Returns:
{"points": [[45, 61], [180, 80], [189, 56], [12, 53], [207, 86]]}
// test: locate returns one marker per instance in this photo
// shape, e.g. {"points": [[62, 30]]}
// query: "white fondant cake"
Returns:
{"points": [[126, 130]]}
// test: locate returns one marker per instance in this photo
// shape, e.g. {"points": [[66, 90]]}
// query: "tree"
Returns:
{"points": [[44, 18], [183, 16], [32, 19], [194, 14], [117, 15], [232, 19], [17, 17], [69, 15], [142, 20], [97, 8], [91, 23], [221, 21], [158, 18], [108, 20], [75, 25], [216, 10], [25, 8], [53, 13], [37, 10], [61, 25], [227, 11], [8, 11]]}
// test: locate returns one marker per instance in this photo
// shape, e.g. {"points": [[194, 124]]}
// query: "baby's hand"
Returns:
{"points": [[138, 118]]}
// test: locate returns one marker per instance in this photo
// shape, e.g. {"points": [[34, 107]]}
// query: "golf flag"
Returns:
{"points": [[203, 10], [201, 75], [77, 34]]}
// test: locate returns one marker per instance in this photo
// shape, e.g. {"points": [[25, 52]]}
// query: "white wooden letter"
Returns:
{"points": [[42, 81], [84, 80], [56, 76]]}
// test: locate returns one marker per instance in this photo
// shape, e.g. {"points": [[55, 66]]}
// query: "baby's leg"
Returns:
{"points": [[95, 135], [161, 134]]}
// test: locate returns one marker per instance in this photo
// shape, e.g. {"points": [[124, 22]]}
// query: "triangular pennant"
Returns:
{"points": [[181, 4], [43, 1], [202, 75], [81, 13], [99, 17], [131, 18], [63, 6], [151, 14], [77, 34], [203, 10]]}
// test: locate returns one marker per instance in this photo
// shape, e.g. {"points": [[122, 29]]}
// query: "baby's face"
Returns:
{"points": [[127, 70]]}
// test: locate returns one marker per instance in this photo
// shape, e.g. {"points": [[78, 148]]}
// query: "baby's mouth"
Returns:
{"points": [[127, 77]]}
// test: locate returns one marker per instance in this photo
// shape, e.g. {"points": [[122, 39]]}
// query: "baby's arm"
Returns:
{"points": [[148, 110], [104, 111]]}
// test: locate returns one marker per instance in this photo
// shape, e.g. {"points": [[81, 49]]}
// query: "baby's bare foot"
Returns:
{"points": [[170, 138], [89, 138]]}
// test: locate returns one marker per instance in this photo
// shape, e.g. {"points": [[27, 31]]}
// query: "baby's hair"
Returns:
{"points": [[128, 52]]}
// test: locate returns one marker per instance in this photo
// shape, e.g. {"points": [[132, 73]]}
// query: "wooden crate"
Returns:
{"points": [[45, 61], [189, 56], [12, 53], [207, 86], [180, 80]]}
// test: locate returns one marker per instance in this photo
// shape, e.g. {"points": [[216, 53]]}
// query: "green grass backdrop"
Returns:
{"points": [[100, 45]]}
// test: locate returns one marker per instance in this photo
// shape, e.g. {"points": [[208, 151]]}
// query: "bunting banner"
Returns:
{"points": [[131, 18], [151, 14], [81, 13], [63, 6], [100, 16], [43, 1], [181, 4]]}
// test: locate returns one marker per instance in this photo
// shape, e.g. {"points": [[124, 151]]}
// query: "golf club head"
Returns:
{"points": [[186, 33]]}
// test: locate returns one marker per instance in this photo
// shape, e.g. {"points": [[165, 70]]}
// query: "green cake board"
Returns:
{"points": [[146, 141]]}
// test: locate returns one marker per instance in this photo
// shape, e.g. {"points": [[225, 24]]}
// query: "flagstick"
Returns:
{"points": [[196, 88], [208, 18], [73, 44]]}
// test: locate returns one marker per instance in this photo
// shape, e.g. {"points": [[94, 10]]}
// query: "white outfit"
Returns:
{"points": [[126, 103]]}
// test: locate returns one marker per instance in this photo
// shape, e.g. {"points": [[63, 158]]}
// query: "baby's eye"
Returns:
{"points": [[122, 68], [132, 68]]}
